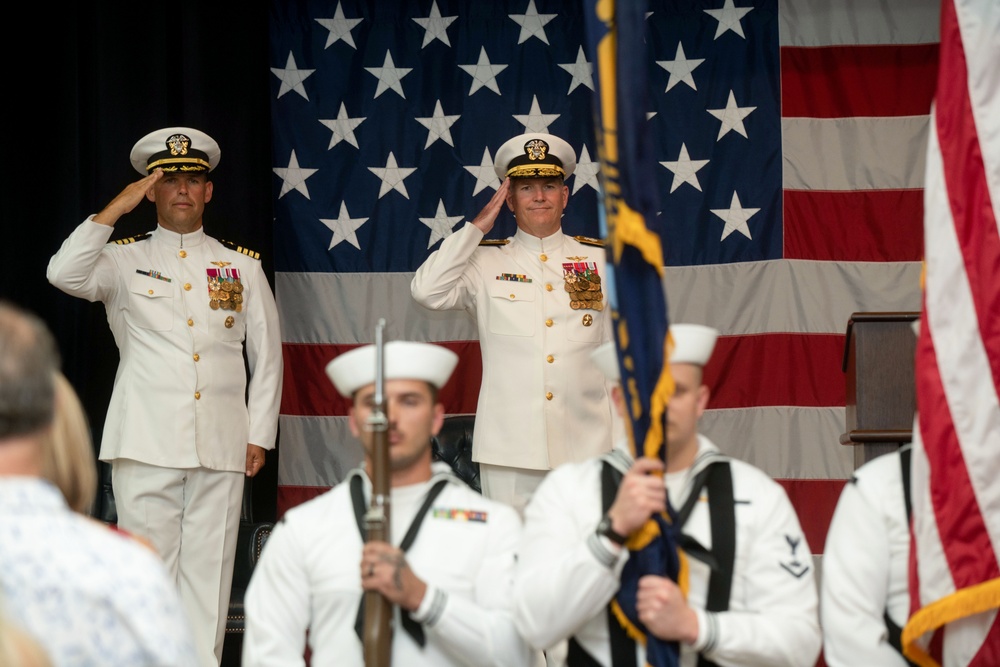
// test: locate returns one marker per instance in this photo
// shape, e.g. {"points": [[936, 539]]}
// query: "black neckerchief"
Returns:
{"points": [[358, 499]]}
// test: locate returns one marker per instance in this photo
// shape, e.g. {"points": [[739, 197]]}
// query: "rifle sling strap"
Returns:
{"points": [[358, 500]]}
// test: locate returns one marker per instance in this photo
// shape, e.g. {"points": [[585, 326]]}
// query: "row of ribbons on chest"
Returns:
{"points": [[580, 280]]}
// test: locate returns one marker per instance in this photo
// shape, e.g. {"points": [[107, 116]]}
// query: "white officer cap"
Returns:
{"points": [[605, 358], [404, 360], [535, 155], [175, 149], [693, 343]]}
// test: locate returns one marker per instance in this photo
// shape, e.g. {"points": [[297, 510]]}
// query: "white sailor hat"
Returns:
{"points": [[693, 343], [175, 149], [605, 358], [535, 155], [404, 360]]}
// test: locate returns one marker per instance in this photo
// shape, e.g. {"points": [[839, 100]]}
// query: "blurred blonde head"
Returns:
{"points": [[67, 450]]}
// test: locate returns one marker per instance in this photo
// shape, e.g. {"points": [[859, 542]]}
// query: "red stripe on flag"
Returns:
{"points": [[742, 370], [813, 363], [308, 391], [854, 226], [814, 501], [289, 496], [845, 81]]}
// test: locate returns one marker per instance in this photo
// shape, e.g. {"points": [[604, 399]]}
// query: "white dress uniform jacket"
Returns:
{"points": [[567, 574], [865, 567], [179, 393], [308, 578], [539, 384]]}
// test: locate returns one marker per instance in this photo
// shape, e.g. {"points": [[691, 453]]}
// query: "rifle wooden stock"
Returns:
{"points": [[377, 637]]}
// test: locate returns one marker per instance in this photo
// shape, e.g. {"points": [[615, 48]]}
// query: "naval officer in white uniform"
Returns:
{"points": [[540, 304], [181, 430], [447, 569]]}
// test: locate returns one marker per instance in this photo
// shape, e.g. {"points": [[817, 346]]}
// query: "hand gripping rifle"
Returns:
{"points": [[378, 610]]}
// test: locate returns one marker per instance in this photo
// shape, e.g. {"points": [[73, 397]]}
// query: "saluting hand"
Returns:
{"points": [[484, 221], [127, 199], [384, 569]]}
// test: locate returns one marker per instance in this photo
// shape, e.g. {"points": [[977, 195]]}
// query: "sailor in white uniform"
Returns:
{"points": [[447, 569]]}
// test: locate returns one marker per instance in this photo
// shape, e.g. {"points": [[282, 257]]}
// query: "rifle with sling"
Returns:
{"points": [[377, 634]]}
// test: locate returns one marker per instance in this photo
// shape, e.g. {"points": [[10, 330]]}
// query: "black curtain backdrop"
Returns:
{"points": [[84, 82]]}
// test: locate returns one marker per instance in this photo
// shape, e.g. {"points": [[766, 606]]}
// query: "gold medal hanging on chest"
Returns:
{"points": [[583, 284], [225, 290]]}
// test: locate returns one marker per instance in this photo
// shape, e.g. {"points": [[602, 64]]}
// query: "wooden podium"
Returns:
{"points": [[881, 398]]}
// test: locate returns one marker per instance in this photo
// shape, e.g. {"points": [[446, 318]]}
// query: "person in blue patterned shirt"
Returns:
{"points": [[87, 595]]}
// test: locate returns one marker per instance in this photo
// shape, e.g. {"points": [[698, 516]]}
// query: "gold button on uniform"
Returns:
{"points": [[543, 257], [512, 296], [150, 291], [548, 323], [190, 323], [196, 357], [548, 287], [197, 395], [183, 254], [550, 358], [187, 286], [548, 395]]}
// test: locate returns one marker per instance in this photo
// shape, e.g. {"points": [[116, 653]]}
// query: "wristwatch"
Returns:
{"points": [[604, 528]]}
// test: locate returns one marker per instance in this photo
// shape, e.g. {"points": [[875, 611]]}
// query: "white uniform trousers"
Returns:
{"points": [[513, 486], [192, 517]]}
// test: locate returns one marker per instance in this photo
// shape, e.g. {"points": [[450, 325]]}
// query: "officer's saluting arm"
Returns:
{"points": [[76, 268], [442, 281]]}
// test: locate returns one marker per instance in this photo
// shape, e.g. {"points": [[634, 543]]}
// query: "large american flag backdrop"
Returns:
{"points": [[790, 138]]}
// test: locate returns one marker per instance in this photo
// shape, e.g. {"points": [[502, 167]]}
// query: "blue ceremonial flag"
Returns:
{"points": [[616, 34]]}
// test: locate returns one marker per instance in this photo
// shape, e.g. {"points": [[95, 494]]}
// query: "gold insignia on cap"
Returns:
{"points": [[178, 144], [536, 149]]}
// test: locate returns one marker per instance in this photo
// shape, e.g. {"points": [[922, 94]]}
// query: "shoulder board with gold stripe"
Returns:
{"points": [[133, 239], [238, 248], [589, 240], [494, 242]]}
